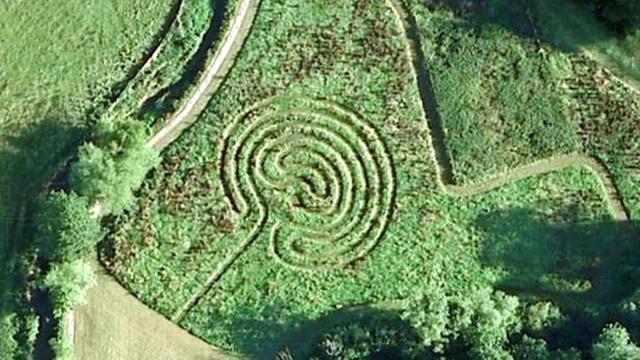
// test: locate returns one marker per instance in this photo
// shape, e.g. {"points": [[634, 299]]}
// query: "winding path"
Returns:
{"points": [[110, 304], [211, 79]]}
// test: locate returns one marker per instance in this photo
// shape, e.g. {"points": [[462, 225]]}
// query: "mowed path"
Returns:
{"points": [[116, 325]]}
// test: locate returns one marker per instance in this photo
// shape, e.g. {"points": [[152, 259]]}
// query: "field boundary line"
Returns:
{"points": [[439, 152], [212, 78], [222, 61]]}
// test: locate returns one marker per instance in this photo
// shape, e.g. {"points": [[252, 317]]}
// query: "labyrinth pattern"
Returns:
{"points": [[314, 177]]}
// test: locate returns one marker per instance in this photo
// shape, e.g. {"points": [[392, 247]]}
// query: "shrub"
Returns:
{"points": [[114, 165], [65, 230], [8, 329], [614, 343], [68, 283]]}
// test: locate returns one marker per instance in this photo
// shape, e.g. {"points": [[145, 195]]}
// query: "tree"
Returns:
{"points": [[429, 314], [65, 230], [614, 343], [536, 349], [8, 330], [114, 165], [68, 283]]}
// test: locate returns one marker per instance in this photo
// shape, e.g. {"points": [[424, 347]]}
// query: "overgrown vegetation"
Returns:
{"points": [[303, 214], [514, 273], [497, 94]]}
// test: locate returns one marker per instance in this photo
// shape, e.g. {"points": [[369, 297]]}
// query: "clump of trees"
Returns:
{"points": [[113, 166], [107, 172]]}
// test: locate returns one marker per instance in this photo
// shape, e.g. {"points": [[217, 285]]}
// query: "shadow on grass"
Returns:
{"points": [[29, 159], [587, 269], [372, 333]]}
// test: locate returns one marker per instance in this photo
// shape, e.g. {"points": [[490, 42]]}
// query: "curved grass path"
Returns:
{"points": [[211, 79], [116, 325]]}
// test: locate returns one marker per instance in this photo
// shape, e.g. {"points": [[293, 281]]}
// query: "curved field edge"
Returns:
{"points": [[211, 78], [116, 325], [554, 165]]}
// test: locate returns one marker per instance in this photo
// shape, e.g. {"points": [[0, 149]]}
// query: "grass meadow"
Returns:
{"points": [[250, 236]]}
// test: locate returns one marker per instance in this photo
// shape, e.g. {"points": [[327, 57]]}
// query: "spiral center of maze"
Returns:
{"points": [[311, 176]]}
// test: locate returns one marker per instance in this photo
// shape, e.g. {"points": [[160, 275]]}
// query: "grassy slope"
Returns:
{"points": [[351, 53], [115, 325], [60, 63]]}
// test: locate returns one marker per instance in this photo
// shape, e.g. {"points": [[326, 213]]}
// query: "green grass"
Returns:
{"points": [[62, 62], [499, 96], [209, 207]]}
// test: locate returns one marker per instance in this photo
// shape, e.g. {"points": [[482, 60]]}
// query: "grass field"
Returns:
{"points": [[309, 184], [62, 63]]}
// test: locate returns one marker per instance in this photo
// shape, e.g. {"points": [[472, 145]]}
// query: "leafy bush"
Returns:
{"points": [[614, 343], [536, 349], [8, 330], [68, 283], [375, 338], [65, 229], [112, 167]]}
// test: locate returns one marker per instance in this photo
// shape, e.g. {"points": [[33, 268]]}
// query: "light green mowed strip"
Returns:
{"points": [[222, 210]]}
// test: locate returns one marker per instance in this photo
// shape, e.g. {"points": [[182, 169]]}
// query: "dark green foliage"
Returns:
{"points": [[536, 349], [480, 320], [497, 95], [111, 168], [614, 344], [67, 283], [65, 229], [622, 15]]}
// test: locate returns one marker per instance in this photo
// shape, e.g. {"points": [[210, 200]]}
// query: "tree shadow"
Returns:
{"points": [[372, 332], [587, 269], [29, 158], [570, 26], [546, 20]]}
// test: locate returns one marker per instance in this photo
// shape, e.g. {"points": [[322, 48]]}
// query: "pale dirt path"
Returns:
{"points": [[141, 333], [212, 78], [115, 324], [439, 152]]}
